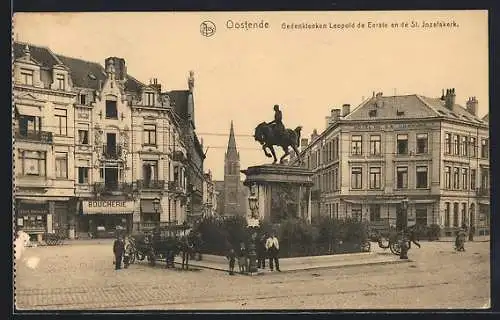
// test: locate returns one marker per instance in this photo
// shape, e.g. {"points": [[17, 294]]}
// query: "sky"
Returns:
{"points": [[241, 73]]}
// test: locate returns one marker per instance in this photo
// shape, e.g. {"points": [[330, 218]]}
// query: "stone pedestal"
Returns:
{"points": [[282, 191]]}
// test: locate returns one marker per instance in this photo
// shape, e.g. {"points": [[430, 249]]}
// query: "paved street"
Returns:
{"points": [[82, 276]]}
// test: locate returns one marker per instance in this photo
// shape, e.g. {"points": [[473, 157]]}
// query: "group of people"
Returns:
{"points": [[267, 247]]}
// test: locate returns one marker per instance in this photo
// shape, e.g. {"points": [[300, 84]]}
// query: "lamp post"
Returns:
{"points": [[404, 243], [252, 255], [156, 205]]}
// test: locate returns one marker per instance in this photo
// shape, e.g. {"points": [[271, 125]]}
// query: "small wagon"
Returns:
{"points": [[56, 238]]}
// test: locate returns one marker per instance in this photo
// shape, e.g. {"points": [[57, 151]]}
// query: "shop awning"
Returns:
{"points": [[29, 110], [147, 206], [29, 199], [372, 201]]}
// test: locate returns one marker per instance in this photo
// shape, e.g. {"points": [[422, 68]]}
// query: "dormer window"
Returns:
{"points": [[27, 77], [83, 99], [111, 111], [150, 99], [372, 113], [60, 82], [400, 113]]}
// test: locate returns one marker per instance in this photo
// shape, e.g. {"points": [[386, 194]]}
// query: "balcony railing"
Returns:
{"points": [[38, 136], [483, 192], [111, 151], [150, 184], [173, 186], [102, 187]]}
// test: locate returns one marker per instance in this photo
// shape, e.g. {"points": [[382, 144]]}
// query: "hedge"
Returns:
{"points": [[296, 236]]}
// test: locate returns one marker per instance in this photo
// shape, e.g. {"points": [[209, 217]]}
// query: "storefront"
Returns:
{"points": [[33, 218], [101, 218]]}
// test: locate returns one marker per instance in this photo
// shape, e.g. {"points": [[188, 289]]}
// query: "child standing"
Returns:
{"points": [[232, 259]]}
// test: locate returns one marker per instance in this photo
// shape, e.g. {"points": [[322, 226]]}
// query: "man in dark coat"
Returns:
{"points": [[118, 250], [277, 123], [262, 251]]}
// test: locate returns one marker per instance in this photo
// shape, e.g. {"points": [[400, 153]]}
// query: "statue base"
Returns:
{"points": [[282, 191]]}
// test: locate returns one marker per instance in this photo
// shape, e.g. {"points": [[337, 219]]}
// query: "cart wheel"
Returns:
{"points": [[395, 248], [132, 258]]}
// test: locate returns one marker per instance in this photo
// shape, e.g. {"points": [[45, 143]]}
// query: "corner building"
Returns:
{"points": [[95, 147], [431, 151]]}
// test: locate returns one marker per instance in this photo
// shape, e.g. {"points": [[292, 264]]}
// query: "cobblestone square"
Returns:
{"points": [[82, 276]]}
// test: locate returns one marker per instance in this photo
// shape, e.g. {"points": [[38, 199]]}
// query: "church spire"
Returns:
{"points": [[231, 145]]}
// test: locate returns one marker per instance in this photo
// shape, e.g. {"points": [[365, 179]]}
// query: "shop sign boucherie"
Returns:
{"points": [[107, 206]]}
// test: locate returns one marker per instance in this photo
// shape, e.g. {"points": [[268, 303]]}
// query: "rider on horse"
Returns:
{"points": [[277, 123]]}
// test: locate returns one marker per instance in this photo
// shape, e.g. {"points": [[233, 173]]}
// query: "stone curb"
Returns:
{"points": [[307, 268]]}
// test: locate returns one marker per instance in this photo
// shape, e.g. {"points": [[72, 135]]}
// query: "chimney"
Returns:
{"points": [[443, 97], [327, 122], [303, 143], [335, 114], [472, 105], [450, 99], [346, 109], [154, 84], [314, 135], [120, 67]]}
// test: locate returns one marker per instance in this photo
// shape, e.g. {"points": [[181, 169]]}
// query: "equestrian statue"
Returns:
{"points": [[274, 133]]}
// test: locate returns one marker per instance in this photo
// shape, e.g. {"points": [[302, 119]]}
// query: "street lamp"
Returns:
{"points": [[253, 204], [404, 245], [156, 205]]}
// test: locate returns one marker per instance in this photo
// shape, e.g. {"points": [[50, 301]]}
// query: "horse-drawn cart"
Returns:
{"points": [[163, 243]]}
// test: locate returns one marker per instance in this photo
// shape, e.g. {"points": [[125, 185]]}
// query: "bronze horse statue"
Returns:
{"points": [[267, 137]]}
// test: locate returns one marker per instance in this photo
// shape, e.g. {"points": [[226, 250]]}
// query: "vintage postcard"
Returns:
{"points": [[251, 160]]}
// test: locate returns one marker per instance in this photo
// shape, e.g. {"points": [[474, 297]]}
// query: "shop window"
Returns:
{"points": [[356, 212]]}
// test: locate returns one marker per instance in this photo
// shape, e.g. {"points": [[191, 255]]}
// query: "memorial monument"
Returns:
{"points": [[280, 191]]}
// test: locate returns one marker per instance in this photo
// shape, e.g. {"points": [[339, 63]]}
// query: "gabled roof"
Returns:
{"points": [[84, 74], [486, 118], [180, 100], [409, 107], [40, 54]]}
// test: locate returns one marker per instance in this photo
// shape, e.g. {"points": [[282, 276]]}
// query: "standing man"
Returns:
{"points": [[273, 247], [118, 250], [261, 251]]}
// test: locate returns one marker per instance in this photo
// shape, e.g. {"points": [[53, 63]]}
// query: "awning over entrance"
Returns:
{"points": [[28, 110], [107, 207], [147, 206]]}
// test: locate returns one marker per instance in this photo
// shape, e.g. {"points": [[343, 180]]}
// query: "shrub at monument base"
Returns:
{"points": [[297, 237]]}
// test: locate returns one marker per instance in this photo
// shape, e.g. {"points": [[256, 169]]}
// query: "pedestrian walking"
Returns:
{"points": [[118, 250], [231, 256], [262, 251], [273, 247], [460, 240], [413, 236]]}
